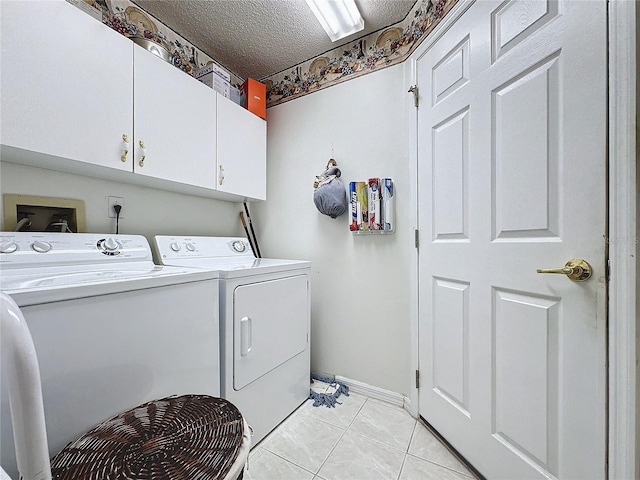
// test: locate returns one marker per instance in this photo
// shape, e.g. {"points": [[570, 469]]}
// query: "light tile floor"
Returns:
{"points": [[361, 439]]}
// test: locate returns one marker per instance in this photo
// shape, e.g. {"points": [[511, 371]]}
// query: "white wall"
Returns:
{"points": [[146, 211], [360, 284], [637, 10]]}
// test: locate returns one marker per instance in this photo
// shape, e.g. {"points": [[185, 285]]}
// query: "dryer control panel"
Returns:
{"points": [[174, 247]]}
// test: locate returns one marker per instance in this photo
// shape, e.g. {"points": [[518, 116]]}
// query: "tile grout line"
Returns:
{"points": [[331, 451], [467, 473], [406, 450], [441, 466], [404, 459], [343, 434], [344, 430], [397, 449], [292, 463]]}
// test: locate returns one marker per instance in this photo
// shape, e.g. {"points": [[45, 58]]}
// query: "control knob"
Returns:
{"points": [[109, 246], [8, 247], [191, 247], [238, 246], [175, 246], [41, 246]]}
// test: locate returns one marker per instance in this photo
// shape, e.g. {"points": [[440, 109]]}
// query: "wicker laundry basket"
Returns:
{"points": [[190, 437]]}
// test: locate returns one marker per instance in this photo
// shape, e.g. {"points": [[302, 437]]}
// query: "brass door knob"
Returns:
{"points": [[576, 269]]}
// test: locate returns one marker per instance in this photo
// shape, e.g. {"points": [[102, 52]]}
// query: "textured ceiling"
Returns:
{"points": [[257, 38]]}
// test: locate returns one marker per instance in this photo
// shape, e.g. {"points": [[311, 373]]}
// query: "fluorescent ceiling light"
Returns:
{"points": [[339, 18]]}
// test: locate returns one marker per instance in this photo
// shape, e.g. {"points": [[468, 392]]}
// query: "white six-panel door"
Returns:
{"points": [[511, 169]]}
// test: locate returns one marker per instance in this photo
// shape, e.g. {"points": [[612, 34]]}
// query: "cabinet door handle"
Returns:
{"points": [[144, 153], [221, 175], [125, 151]]}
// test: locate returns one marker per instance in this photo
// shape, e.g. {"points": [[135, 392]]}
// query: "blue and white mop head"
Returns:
{"points": [[325, 391]]}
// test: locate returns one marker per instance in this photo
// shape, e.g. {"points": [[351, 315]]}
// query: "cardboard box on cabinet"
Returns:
{"points": [[215, 77], [213, 68], [237, 96], [255, 97], [218, 83]]}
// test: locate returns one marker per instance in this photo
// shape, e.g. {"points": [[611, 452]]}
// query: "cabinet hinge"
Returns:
{"points": [[416, 237], [417, 378], [414, 89]]}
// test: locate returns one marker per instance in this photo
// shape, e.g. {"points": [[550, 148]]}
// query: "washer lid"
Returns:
{"points": [[32, 286]]}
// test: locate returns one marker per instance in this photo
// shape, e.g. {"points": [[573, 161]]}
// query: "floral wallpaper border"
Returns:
{"points": [[130, 20], [373, 52]]}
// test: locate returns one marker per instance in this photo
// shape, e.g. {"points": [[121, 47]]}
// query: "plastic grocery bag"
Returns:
{"points": [[330, 195]]}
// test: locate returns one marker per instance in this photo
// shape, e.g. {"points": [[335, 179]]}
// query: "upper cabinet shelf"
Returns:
{"points": [[116, 111]]}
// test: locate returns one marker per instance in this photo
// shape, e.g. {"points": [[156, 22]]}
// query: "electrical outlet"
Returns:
{"points": [[111, 201]]}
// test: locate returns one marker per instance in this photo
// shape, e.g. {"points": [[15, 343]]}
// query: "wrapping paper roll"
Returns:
{"points": [[374, 204], [353, 199], [388, 204]]}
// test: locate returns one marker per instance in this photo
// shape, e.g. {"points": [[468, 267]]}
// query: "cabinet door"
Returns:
{"points": [[175, 120], [66, 83], [242, 151]]}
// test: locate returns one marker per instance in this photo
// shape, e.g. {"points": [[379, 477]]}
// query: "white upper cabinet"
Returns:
{"points": [[175, 124], [79, 97], [66, 83], [242, 151]]}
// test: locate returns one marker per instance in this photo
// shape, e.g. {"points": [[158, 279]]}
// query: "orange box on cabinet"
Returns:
{"points": [[255, 97]]}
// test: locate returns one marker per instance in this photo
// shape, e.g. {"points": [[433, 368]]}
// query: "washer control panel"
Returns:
{"points": [[109, 246], [44, 248]]}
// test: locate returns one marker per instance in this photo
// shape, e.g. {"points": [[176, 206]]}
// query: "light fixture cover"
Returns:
{"points": [[339, 18]]}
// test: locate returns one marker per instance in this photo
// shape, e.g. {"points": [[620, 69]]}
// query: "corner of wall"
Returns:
{"points": [[637, 253]]}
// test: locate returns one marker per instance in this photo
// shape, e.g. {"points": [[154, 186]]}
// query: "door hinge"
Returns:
{"points": [[414, 89], [417, 378], [416, 238]]}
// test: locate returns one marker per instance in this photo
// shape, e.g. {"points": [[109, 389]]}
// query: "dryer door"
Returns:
{"points": [[270, 326]]}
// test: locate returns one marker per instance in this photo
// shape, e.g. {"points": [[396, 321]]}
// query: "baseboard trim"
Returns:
{"points": [[407, 406], [378, 393]]}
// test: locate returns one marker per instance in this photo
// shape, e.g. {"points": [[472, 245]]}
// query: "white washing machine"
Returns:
{"points": [[112, 330], [264, 325]]}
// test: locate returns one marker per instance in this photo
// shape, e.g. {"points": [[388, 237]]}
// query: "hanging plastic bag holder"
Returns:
{"points": [[330, 195]]}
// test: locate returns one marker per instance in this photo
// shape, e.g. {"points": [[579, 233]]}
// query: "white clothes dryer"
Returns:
{"points": [[264, 324], [112, 330]]}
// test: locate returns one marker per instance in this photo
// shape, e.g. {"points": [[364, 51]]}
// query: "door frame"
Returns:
{"points": [[623, 432], [623, 242]]}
